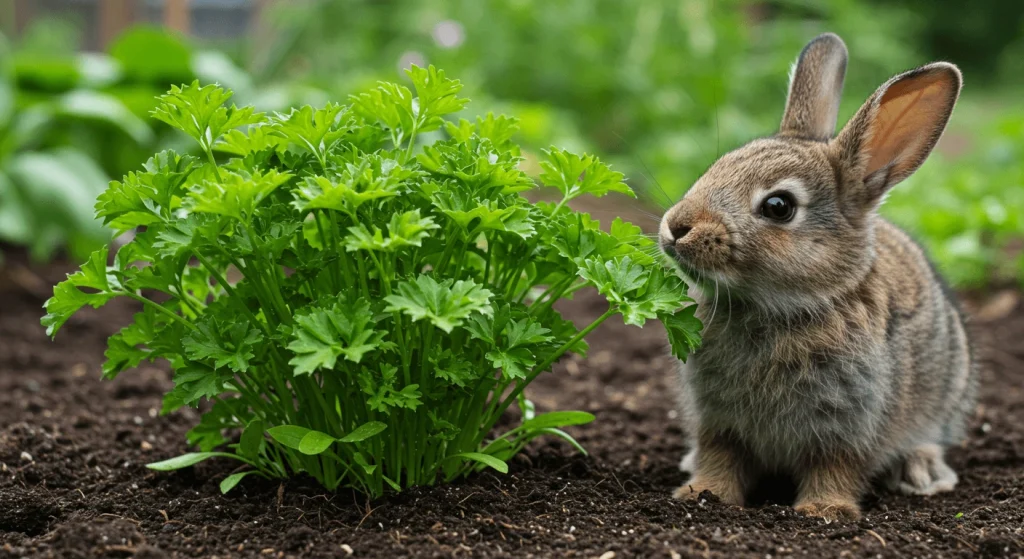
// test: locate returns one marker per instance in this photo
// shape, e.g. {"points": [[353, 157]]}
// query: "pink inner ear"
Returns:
{"points": [[911, 112]]}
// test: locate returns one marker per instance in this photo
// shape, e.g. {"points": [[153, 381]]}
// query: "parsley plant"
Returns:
{"points": [[355, 305]]}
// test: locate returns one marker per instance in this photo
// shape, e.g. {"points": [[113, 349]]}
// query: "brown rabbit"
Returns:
{"points": [[832, 351]]}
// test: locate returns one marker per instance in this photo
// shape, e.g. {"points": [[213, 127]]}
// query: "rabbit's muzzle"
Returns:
{"points": [[696, 239]]}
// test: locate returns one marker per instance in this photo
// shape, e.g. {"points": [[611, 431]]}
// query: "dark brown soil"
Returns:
{"points": [[73, 482]]}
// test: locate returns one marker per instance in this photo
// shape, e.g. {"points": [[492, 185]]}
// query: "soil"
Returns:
{"points": [[73, 482]]}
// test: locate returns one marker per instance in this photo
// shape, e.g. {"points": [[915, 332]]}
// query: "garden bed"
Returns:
{"points": [[73, 481]]}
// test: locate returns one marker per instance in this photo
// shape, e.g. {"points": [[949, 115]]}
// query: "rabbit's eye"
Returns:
{"points": [[779, 207]]}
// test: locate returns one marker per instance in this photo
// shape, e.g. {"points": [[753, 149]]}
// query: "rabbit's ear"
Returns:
{"points": [[895, 130], [815, 86]]}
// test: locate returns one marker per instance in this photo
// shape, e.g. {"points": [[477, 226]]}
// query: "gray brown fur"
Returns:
{"points": [[831, 350]]}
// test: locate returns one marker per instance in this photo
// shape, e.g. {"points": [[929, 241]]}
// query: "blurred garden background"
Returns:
{"points": [[658, 87]]}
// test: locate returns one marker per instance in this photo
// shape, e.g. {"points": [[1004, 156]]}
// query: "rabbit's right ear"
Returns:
{"points": [[815, 86], [893, 133]]}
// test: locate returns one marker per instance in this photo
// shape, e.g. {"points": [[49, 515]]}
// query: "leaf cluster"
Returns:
{"points": [[358, 306]]}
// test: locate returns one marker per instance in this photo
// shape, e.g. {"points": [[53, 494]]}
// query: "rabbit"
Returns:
{"points": [[832, 350]]}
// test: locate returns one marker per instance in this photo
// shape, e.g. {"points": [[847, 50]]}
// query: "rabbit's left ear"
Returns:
{"points": [[815, 86], [896, 129]]}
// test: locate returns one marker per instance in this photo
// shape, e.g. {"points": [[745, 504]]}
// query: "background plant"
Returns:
{"points": [[968, 209], [69, 121], [395, 298], [662, 87]]}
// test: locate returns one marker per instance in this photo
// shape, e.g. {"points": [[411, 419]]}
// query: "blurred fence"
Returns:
{"points": [[102, 20]]}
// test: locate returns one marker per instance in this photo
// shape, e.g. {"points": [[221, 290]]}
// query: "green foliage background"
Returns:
{"points": [[659, 88], [662, 87]]}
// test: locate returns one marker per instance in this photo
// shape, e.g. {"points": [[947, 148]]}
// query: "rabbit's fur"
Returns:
{"points": [[831, 349]]}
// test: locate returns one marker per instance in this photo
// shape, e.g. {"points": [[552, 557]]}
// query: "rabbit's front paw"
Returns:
{"points": [[689, 462], [923, 472], [830, 511], [728, 493]]}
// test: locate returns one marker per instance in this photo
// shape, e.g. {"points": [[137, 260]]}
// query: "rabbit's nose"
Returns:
{"points": [[679, 231]]}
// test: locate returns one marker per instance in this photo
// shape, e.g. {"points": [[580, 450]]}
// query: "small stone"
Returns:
{"points": [[78, 370], [607, 555], [347, 549], [145, 446], [137, 420], [26, 456]]}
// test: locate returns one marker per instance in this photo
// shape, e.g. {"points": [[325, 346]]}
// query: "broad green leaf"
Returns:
{"points": [[445, 304], [557, 419], [288, 435], [514, 363], [390, 104], [252, 439], [68, 295], [235, 195], [616, 279], [373, 178], [145, 198], [405, 230], [526, 331], [663, 293], [436, 96], [192, 383], [683, 330], [226, 345], [315, 442], [229, 483], [477, 164], [365, 465], [313, 131], [199, 111], [186, 460], [457, 370], [208, 434], [93, 105], [475, 216], [579, 238], [564, 436], [58, 188], [392, 483], [256, 138], [152, 55], [364, 432], [231, 345], [484, 459], [382, 393], [125, 348], [322, 335], [498, 129], [576, 175]]}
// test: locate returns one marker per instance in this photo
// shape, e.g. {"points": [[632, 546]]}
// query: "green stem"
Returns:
{"points": [[496, 411], [213, 162], [160, 308]]}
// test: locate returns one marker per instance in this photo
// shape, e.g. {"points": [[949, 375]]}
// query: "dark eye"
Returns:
{"points": [[779, 206]]}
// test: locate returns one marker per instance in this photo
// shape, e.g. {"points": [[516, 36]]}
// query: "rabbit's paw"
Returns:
{"points": [[833, 511], [924, 472], [689, 462], [692, 489]]}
